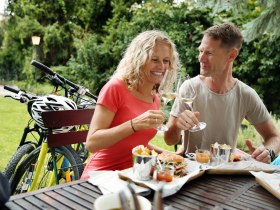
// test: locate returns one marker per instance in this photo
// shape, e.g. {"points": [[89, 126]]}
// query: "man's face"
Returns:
{"points": [[213, 59]]}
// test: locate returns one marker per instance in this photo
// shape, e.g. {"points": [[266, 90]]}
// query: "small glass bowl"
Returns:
{"points": [[202, 156], [165, 174]]}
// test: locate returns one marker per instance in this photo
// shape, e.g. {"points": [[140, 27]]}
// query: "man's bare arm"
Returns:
{"points": [[270, 135], [271, 138]]}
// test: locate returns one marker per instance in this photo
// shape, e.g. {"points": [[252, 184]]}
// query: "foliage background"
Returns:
{"points": [[84, 40]]}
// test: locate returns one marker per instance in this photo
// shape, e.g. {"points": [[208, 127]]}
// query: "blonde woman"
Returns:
{"points": [[127, 111]]}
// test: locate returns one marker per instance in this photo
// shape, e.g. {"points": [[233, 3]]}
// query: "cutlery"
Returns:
{"points": [[134, 196], [158, 204], [123, 200]]}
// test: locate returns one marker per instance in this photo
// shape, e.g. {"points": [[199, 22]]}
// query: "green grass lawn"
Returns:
{"points": [[14, 117]]}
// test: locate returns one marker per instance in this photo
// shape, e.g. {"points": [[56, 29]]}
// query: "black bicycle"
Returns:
{"points": [[20, 168]]}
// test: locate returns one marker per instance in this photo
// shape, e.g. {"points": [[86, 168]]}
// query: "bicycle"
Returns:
{"points": [[77, 93], [22, 164], [20, 172]]}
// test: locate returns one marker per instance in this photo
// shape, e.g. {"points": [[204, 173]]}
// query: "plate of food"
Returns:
{"points": [[170, 168]]}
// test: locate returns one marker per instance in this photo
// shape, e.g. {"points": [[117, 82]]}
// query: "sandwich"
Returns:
{"points": [[177, 161]]}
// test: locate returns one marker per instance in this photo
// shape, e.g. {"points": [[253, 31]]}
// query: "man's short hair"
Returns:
{"points": [[228, 33]]}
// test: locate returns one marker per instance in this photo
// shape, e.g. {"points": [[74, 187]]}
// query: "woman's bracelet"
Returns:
{"points": [[132, 126]]}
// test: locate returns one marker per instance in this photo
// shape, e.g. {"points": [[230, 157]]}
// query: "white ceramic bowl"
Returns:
{"points": [[112, 201]]}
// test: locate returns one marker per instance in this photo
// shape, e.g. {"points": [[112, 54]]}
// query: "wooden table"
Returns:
{"points": [[206, 192]]}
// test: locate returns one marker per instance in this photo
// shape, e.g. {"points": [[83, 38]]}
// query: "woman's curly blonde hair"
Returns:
{"points": [[137, 54]]}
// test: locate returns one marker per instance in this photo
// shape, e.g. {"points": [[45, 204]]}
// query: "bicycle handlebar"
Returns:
{"points": [[11, 89], [50, 72], [42, 67], [21, 95]]}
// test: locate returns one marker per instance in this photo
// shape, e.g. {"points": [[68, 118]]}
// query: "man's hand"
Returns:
{"points": [[250, 146], [187, 119], [260, 154]]}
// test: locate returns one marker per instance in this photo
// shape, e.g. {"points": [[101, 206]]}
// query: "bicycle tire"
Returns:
{"points": [[22, 178], [16, 158], [82, 151]]}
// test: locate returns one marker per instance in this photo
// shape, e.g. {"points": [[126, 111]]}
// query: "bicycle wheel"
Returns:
{"points": [[82, 151], [71, 167], [16, 159]]}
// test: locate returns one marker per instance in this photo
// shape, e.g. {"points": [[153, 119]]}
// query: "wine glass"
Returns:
{"points": [[188, 99], [167, 91]]}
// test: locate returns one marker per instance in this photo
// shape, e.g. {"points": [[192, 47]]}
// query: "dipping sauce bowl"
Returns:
{"points": [[202, 156]]}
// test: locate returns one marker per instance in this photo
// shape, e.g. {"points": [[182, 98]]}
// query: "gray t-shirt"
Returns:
{"points": [[223, 113]]}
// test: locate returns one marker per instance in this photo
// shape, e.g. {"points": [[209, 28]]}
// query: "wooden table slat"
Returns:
{"points": [[65, 201], [213, 188], [186, 201], [256, 203], [85, 196], [25, 204], [85, 190], [52, 202], [257, 198], [201, 195], [38, 202], [76, 198], [13, 205]]}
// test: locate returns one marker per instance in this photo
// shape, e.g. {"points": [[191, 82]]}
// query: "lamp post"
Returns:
{"points": [[35, 42]]}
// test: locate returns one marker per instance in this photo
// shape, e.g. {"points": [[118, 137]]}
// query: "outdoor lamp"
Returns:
{"points": [[36, 40]]}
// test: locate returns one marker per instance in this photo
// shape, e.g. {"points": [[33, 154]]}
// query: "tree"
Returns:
{"points": [[62, 26], [265, 20]]}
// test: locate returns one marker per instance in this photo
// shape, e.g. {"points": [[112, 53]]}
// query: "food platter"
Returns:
{"points": [[170, 188], [241, 167]]}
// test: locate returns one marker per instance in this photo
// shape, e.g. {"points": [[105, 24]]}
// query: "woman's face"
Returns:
{"points": [[157, 64]]}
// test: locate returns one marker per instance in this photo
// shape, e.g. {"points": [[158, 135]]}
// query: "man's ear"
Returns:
{"points": [[233, 54]]}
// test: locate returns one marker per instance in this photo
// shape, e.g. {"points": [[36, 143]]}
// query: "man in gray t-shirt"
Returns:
{"points": [[221, 101]]}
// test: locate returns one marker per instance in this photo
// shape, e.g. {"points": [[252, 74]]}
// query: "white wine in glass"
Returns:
{"points": [[167, 92], [188, 99]]}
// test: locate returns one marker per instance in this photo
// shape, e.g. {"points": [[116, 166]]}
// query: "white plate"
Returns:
{"points": [[112, 201]]}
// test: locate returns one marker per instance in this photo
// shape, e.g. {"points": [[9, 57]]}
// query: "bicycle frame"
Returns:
{"points": [[42, 155], [38, 169], [53, 175], [28, 130]]}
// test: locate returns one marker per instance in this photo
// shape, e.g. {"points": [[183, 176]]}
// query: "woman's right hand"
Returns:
{"points": [[149, 119]]}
